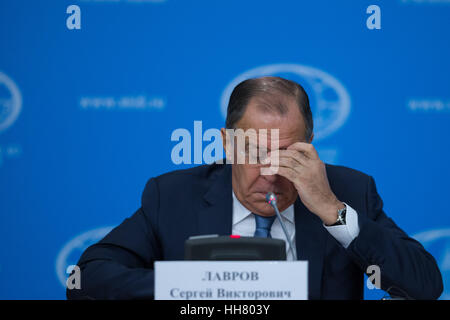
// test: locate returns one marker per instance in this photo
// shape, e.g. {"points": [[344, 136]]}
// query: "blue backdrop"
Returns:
{"points": [[86, 115]]}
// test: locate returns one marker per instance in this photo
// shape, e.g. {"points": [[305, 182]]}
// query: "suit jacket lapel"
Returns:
{"points": [[215, 214], [310, 241]]}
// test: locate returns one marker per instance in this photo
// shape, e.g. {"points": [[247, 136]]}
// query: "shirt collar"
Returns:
{"points": [[240, 212]]}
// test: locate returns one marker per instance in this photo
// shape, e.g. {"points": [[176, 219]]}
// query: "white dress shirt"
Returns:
{"points": [[244, 225]]}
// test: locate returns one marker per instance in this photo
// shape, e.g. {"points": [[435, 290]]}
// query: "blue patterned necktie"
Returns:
{"points": [[263, 225]]}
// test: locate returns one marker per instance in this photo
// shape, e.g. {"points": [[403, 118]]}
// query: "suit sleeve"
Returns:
{"points": [[120, 266], [404, 263]]}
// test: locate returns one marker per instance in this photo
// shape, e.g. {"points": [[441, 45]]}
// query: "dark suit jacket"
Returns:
{"points": [[198, 201]]}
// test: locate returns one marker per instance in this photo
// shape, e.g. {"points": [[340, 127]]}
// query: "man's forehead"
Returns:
{"points": [[286, 131], [265, 137]]}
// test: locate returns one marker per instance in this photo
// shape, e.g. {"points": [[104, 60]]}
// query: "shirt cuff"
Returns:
{"points": [[345, 234]]}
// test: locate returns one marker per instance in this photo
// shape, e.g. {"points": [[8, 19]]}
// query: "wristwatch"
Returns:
{"points": [[341, 217]]}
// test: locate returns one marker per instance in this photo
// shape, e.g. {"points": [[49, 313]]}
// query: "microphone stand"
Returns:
{"points": [[272, 200]]}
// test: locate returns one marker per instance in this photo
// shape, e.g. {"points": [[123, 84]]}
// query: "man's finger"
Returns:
{"points": [[296, 155], [289, 162], [307, 149]]}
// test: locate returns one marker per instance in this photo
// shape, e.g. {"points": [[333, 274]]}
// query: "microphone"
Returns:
{"points": [[272, 200]]}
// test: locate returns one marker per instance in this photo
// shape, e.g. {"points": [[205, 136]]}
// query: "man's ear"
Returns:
{"points": [[224, 139], [228, 144], [312, 137]]}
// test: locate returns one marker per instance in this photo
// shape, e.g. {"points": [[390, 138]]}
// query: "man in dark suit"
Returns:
{"points": [[334, 215]]}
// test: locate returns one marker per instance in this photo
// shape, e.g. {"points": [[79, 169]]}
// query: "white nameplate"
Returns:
{"points": [[231, 280]]}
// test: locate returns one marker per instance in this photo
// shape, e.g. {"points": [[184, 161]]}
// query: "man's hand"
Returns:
{"points": [[301, 165]]}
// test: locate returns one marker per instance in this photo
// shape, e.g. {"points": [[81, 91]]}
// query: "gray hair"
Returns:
{"points": [[274, 93]]}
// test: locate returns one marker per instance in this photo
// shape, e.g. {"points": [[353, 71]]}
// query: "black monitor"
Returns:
{"points": [[234, 248]]}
